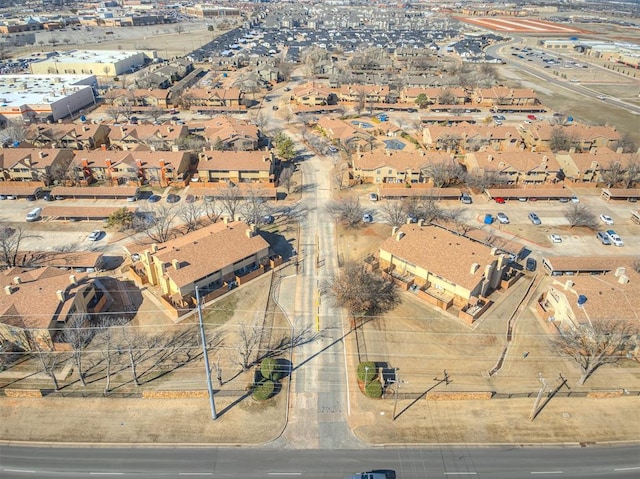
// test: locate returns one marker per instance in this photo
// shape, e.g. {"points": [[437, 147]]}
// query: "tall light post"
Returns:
{"points": [[366, 378]]}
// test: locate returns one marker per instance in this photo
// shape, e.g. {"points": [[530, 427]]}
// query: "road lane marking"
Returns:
{"points": [[547, 472], [19, 470], [627, 468], [284, 473], [460, 473], [106, 473], [195, 473]]}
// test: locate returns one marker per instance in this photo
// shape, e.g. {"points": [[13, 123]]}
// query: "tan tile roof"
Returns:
{"points": [[398, 159], [607, 298], [145, 132], [34, 302], [604, 157], [214, 93], [208, 250], [522, 161], [544, 131], [585, 263], [227, 128], [312, 88], [36, 158], [442, 253], [235, 160]]}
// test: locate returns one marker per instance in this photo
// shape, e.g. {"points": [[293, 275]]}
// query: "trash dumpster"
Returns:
{"points": [[488, 219]]}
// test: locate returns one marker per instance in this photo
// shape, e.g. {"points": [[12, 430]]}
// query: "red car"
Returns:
{"points": [[500, 201], [531, 117]]}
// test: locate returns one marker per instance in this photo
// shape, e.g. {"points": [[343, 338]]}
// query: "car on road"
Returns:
{"points": [[287, 88], [153, 198], [172, 198], [369, 475], [555, 238], [615, 239], [502, 218], [606, 219], [95, 235], [603, 237], [602, 97], [534, 218], [367, 218]]}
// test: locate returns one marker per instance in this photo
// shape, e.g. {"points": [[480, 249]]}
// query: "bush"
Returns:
{"points": [[268, 369], [263, 391], [373, 389], [370, 374]]}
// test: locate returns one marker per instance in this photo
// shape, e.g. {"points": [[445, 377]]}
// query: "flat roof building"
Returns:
{"points": [[24, 97], [95, 62]]}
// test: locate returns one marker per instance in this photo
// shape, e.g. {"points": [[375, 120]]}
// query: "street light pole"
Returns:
{"points": [[366, 378], [214, 416]]}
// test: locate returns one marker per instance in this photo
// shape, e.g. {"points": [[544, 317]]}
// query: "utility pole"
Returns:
{"points": [[534, 411], [214, 416]]}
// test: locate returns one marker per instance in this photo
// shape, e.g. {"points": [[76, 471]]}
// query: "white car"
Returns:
{"points": [[606, 219], [555, 238], [95, 235], [502, 218], [367, 218], [615, 239]]}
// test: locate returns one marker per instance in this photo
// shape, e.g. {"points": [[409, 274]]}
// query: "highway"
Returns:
{"points": [[248, 463]]}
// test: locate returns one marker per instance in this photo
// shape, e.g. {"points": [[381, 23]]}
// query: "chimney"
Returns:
{"points": [[84, 162], [474, 267], [42, 154], [494, 251], [251, 231], [399, 235], [572, 150], [568, 285], [154, 248], [72, 280], [533, 149], [620, 271], [175, 263], [161, 163], [103, 147], [489, 157], [593, 150], [8, 289], [139, 163], [108, 163], [60, 295], [394, 230], [421, 222], [225, 219], [17, 280]]}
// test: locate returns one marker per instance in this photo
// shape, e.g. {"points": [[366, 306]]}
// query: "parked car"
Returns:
{"points": [[466, 199], [268, 219], [500, 200], [564, 200], [172, 198], [575, 199], [603, 237], [555, 238], [367, 218], [153, 198], [132, 198], [531, 264], [3, 197], [502, 218], [48, 197], [535, 219], [95, 235], [373, 197], [606, 219], [31, 197], [59, 197], [615, 239], [190, 198], [12, 197]]}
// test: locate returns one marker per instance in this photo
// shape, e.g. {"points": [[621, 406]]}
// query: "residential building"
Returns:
{"points": [[501, 95], [141, 166], [236, 167], [210, 258], [227, 133], [37, 303], [434, 96], [582, 137], [149, 97], [33, 164], [211, 97], [449, 269], [364, 93], [163, 137], [587, 167], [314, 94], [84, 136], [514, 167], [395, 166], [569, 302]]}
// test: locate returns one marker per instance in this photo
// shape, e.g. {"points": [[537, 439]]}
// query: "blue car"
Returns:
{"points": [[153, 199]]}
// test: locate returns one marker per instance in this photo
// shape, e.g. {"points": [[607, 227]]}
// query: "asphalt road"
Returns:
{"points": [[409, 463]]}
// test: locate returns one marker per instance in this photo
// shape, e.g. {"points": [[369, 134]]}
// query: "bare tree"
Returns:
{"points": [[136, 346], [156, 222], [213, 209], [285, 178], [106, 342], [560, 140], [633, 172], [191, 213], [443, 173], [230, 200], [16, 130], [11, 238], [361, 292], [394, 212], [612, 175], [594, 345], [247, 342], [627, 143], [114, 112], [579, 214], [253, 206], [347, 211], [48, 359], [155, 112], [77, 334]]}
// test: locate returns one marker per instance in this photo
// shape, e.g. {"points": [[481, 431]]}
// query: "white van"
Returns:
{"points": [[34, 215]]}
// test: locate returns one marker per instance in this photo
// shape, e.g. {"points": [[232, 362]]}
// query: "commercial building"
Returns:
{"points": [[109, 63]]}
